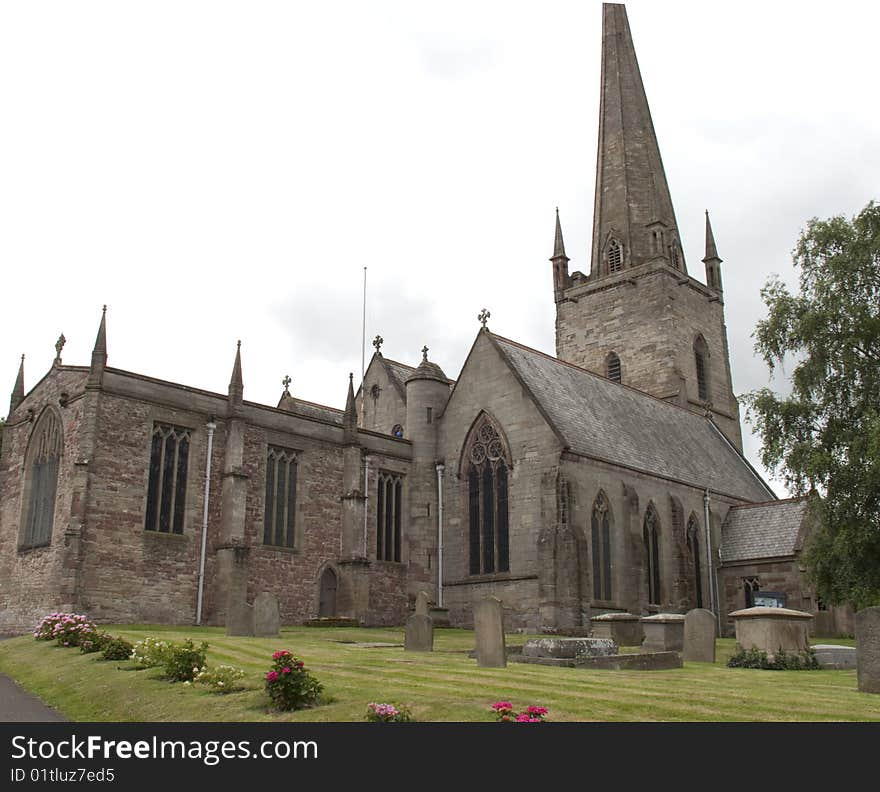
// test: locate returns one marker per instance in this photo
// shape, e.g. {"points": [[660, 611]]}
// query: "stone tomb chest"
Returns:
{"points": [[772, 629], [625, 629]]}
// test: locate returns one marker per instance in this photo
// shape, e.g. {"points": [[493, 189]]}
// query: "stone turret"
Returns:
{"points": [[560, 263], [712, 260], [99, 354], [18, 389], [427, 390]]}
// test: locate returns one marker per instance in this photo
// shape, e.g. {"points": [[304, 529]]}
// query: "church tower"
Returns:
{"points": [[638, 317]]}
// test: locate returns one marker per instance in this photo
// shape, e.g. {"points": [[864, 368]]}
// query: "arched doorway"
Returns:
{"points": [[327, 601]]}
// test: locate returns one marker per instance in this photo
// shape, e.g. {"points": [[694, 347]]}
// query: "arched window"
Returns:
{"points": [[279, 510], [397, 430], [651, 535], [601, 529], [41, 481], [701, 361], [693, 543], [612, 367], [615, 256], [675, 254], [389, 507], [486, 465]]}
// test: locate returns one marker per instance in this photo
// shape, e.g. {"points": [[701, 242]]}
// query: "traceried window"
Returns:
{"points": [[651, 536], [486, 466], [166, 493], [612, 367], [279, 512], [41, 481], [615, 256], [389, 508], [701, 361], [751, 585], [601, 530], [693, 543]]}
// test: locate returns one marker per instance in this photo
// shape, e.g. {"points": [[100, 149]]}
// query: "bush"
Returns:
{"points": [[116, 648], [289, 684], [44, 631], [505, 713], [222, 678], [783, 661], [72, 628], [387, 713], [183, 662], [149, 653], [94, 643]]}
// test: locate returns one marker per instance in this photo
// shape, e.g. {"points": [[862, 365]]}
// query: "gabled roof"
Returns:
{"points": [[765, 530], [601, 419]]}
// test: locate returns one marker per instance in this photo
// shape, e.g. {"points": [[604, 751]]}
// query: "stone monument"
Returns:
{"points": [[699, 636], [489, 629]]}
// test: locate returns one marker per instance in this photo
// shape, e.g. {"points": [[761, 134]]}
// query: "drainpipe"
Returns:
{"points": [[713, 584], [440, 468], [210, 426], [366, 490]]}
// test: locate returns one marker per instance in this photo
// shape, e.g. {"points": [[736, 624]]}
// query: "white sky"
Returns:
{"points": [[224, 170]]}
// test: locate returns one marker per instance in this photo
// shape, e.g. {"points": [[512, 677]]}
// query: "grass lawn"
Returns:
{"points": [[441, 686]]}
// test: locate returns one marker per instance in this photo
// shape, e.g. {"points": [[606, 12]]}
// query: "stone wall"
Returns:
{"points": [[382, 412]]}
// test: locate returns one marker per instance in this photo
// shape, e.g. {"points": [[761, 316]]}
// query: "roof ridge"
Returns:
{"points": [[792, 499]]}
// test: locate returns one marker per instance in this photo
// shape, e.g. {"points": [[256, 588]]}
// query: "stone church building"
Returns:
{"points": [[609, 478]]}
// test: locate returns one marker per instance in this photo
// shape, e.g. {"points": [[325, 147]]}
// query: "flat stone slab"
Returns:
{"points": [[834, 656], [762, 612], [646, 661], [332, 621], [570, 632], [569, 648]]}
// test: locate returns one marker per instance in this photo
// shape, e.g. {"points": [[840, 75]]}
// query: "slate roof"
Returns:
{"points": [[767, 530], [598, 418]]}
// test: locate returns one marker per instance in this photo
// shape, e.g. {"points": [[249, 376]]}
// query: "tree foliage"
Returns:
{"points": [[824, 437]]}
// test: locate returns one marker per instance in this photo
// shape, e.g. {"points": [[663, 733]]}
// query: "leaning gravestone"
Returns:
{"points": [[489, 628], [868, 649], [267, 615], [240, 618], [699, 636], [423, 604], [419, 635]]}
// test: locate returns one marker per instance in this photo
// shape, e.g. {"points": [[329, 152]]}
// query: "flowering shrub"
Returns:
{"points": [[505, 713], [94, 643], [289, 684], [183, 662], [387, 713], [149, 653], [115, 648], [68, 629], [222, 678]]}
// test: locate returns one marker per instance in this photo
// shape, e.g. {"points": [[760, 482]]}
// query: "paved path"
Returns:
{"points": [[19, 706]]}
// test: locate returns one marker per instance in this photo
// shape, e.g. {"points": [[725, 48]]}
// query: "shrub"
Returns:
{"points": [[116, 648], [150, 652], [289, 684], [44, 631], [222, 678], [72, 628], [387, 713], [505, 713], [782, 661], [183, 662], [94, 643]]}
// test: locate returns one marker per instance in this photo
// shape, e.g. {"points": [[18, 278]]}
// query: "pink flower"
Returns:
{"points": [[502, 706], [536, 710], [271, 676], [279, 655], [285, 670], [523, 718]]}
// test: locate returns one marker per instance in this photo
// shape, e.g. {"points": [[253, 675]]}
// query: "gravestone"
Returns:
{"points": [[240, 618], [699, 636], [772, 629], [569, 648], [839, 658], [423, 603], [664, 632], [625, 629], [489, 628], [267, 615], [868, 649], [419, 634]]}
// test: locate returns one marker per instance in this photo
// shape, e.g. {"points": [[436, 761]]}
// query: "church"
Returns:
{"points": [[608, 478]]}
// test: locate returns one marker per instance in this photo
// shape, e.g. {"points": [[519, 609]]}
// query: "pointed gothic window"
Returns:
{"points": [[279, 510], [693, 543], [612, 367], [486, 465], [41, 481], [675, 255], [651, 536], [615, 256], [389, 502], [701, 361], [166, 492], [601, 530]]}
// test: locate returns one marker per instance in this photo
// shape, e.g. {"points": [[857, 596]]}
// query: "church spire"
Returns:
{"points": [[633, 218], [349, 418], [236, 385], [18, 389], [712, 260], [99, 353], [560, 262]]}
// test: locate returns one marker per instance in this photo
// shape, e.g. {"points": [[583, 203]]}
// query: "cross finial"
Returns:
{"points": [[424, 354], [377, 342], [59, 345], [286, 382], [483, 316]]}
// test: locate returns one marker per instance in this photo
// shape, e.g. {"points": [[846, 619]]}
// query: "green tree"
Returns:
{"points": [[824, 437]]}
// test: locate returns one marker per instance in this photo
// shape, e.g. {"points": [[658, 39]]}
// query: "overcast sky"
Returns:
{"points": [[222, 170]]}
